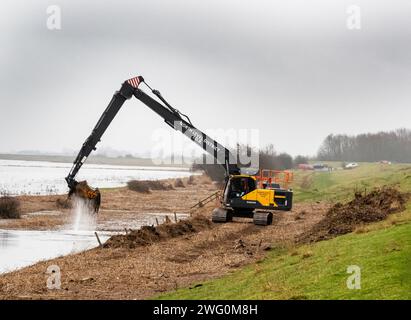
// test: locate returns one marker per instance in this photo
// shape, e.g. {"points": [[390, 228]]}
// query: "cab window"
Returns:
{"points": [[238, 187]]}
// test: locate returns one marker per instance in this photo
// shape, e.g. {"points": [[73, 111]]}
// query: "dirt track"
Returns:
{"points": [[142, 272]]}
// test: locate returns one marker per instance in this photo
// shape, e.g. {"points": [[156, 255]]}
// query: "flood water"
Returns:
{"points": [[20, 248], [20, 177]]}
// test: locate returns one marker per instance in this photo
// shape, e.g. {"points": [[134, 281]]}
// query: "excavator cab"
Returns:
{"points": [[238, 186]]}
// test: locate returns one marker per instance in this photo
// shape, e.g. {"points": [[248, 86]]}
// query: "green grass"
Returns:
{"points": [[339, 185], [319, 271]]}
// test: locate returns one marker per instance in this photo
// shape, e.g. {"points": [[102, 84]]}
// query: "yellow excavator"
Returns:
{"points": [[241, 196]]}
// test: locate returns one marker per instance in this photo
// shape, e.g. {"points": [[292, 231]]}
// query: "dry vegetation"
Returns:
{"points": [[146, 186], [39, 213], [191, 180], [63, 203], [363, 209], [178, 183], [9, 208], [119, 206], [185, 259], [147, 235]]}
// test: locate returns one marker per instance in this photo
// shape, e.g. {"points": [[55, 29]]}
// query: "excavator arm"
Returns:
{"points": [[171, 116], [90, 144], [174, 119]]}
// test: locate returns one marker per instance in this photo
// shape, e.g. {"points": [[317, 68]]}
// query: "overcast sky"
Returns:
{"points": [[290, 68]]}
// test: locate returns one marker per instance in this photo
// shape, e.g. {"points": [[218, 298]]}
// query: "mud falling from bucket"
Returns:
{"points": [[84, 215]]}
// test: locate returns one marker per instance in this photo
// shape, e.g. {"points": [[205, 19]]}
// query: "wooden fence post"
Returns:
{"points": [[98, 239]]}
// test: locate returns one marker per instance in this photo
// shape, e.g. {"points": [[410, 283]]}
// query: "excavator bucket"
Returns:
{"points": [[84, 191]]}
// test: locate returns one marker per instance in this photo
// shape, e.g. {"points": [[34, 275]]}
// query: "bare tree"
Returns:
{"points": [[391, 145]]}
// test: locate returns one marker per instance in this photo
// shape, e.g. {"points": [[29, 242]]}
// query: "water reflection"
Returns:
{"points": [[19, 248]]}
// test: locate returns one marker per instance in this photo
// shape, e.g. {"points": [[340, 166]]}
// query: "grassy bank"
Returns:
{"points": [[340, 184], [319, 271]]}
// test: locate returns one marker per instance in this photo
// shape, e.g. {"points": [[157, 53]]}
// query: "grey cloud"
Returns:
{"points": [[290, 68]]}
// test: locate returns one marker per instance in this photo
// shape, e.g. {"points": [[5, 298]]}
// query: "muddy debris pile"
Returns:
{"points": [[147, 235], [364, 208], [178, 183], [63, 203], [146, 186]]}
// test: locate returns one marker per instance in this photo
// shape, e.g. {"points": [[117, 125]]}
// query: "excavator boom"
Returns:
{"points": [[171, 116]]}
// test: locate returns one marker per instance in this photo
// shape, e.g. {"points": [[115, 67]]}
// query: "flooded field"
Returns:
{"points": [[18, 177], [46, 231], [20, 248]]}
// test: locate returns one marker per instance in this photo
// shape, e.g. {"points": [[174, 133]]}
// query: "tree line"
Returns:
{"points": [[269, 158], [368, 147], [392, 146]]}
